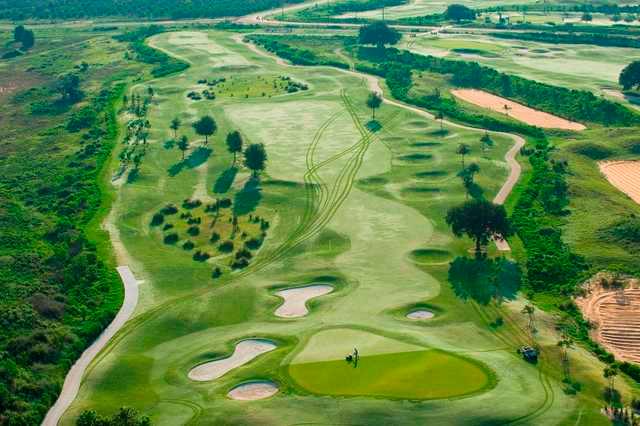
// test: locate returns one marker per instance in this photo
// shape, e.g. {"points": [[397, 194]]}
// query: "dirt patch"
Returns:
{"points": [[516, 110], [612, 304], [624, 175], [295, 299], [253, 391], [245, 351]]}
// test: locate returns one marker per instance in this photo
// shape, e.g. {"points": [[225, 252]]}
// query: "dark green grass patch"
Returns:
{"points": [[429, 374]]}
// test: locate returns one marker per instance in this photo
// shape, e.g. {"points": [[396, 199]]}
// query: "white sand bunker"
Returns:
{"points": [[295, 299], [420, 314], [245, 351], [624, 175], [252, 391], [515, 110]]}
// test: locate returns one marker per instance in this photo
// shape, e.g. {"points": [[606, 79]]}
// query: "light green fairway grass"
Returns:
{"points": [[408, 375]]}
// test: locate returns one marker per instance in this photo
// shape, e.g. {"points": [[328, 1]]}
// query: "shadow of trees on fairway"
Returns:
{"points": [[225, 180], [198, 157], [248, 198], [482, 279]]}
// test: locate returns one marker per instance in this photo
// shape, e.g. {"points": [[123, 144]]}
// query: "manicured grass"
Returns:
{"points": [[426, 374]]}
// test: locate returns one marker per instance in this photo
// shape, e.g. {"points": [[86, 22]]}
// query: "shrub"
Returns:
{"points": [[216, 273], [225, 203], [171, 238], [593, 151], [201, 256], [169, 209], [191, 204], [46, 306], [244, 253], [193, 231], [188, 245], [226, 247], [240, 263], [157, 219], [253, 243], [167, 226], [215, 237]]}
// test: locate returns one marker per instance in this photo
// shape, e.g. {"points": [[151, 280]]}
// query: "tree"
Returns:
{"points": [[486, 141], [587, 17], [468, 173], [462, 150], [255, 158], [183, 145], [124, 417], [234, 144], [374, 101], [440, 117], [69, 87], [630, 76], [206, 127], [28, 40], [175, 126], [529, 311], [378, 34], [610, 374], [459, 12], [480, 220]]}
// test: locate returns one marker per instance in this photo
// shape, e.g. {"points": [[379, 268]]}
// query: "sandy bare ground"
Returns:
{"points": [[245, 351], [253, 391], [516, 110], [295, 299], [374, 85], [624, 175], [420, 314], [74, 376], [615, 312]]}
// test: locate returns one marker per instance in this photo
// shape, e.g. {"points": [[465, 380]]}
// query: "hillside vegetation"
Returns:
{"points": [[175, 9]]}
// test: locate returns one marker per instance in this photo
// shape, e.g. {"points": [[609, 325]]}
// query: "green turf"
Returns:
{"points": [[409, 375]]}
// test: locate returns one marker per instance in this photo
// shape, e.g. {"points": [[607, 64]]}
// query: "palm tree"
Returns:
{"points": [[234, 144], [205, 126], [183, 145], [529, 311], [175, 125], [374, 101], [463, 149]]}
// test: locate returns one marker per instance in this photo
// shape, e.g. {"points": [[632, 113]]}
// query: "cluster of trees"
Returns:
{"points": [[296, 55], [578, 105], [151, 9], [124, 417], [24, 36], [164, 64], [378, 34], [329, 11], [571, 38], [630, 76], [459, 12]]}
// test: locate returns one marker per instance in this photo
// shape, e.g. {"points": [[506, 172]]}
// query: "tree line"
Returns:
{"points": [[571, 38], [150, 9]]}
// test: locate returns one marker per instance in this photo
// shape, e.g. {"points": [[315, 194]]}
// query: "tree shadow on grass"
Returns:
{"points": [[225, 180], [133, 176], [198, 157], [374, 126], [248, 198], [482, 279]]}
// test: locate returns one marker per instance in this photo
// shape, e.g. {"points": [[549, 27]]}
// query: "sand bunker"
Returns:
{"points": [[516, 110], [252, 391], [624, 175], [420, 314], [245, 351], [614, 308], [295, 299]]}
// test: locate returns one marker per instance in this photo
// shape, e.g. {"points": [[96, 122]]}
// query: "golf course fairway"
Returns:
{"points": [[429, 374]]}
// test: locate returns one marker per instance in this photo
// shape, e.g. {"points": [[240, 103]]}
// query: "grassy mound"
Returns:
{"points": [[430, 256], [593, 151], [625, 232], [429, 374]]}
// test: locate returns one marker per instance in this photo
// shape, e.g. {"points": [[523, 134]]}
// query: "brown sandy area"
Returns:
{"points": [[516, 110], [624, 175]]}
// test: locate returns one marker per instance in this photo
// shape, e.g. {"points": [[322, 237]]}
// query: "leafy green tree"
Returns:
{"points": [[486, 141], [587, 17], [630, 76], [378, 34], [205, 126], [183, 145], [480, 220], [459, 12], [175, 126], [462, 150], [255, 158], [69, 87], [374, 100], [124, 417], [234, 144]]}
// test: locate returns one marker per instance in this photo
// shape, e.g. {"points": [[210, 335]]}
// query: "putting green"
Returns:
{"points": [[429, 374]]}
